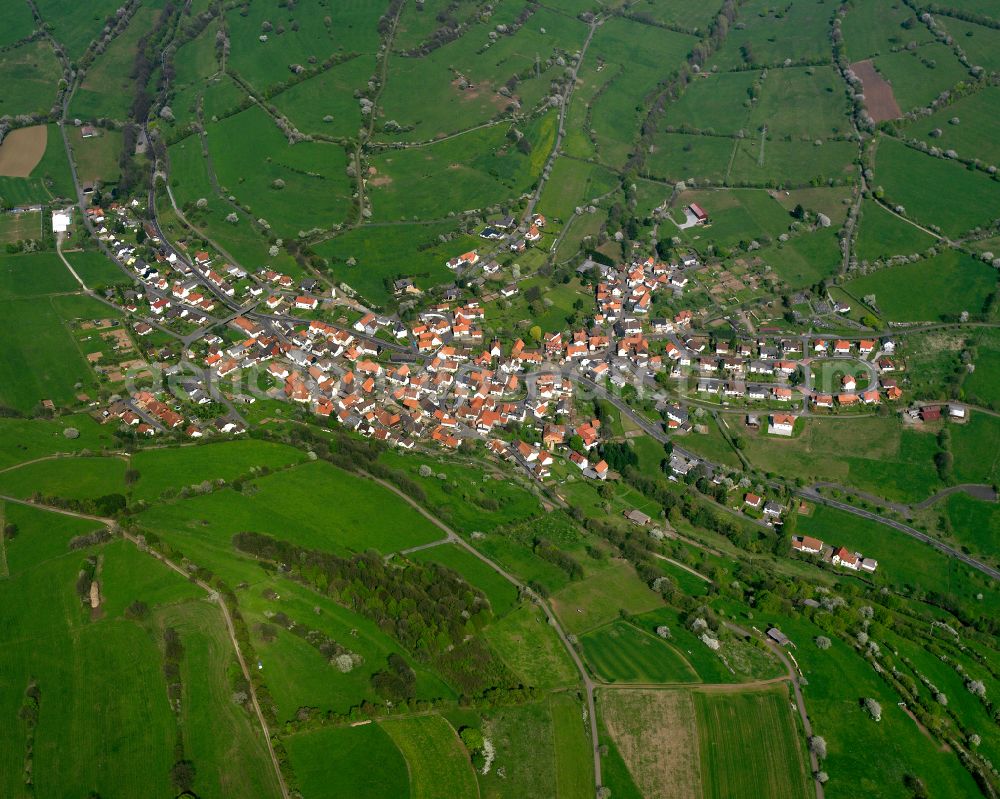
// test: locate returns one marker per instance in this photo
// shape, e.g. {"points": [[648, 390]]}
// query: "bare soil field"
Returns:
{"points": [[879, 99], [657, 735], [21, 151]]}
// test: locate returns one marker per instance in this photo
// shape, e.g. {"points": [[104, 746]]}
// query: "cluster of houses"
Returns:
{"points": [[761, 370], [838, 556]]}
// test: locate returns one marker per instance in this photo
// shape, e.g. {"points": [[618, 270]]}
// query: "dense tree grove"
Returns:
{"points": [[426, 607]]}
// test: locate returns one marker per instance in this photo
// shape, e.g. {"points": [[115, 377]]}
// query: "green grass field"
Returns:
{"points": [[803, 102], [331, 93], [438, 764], [677, 156], [736, 215], [919, 76], [82, 662], [878, 754], [529, 647], [96, 269], [902, 561], [163, 469], [980, 44], [572, 184], [792, 163], [76, 26], [881, 234], [976, 446], [942, 286], [715, 101], [16, 23], [28, 75], [750, 746], [362, 761], [18, 227], [971, 136], [68, 478], [597, 599], [635, 58], [97, 158], [249, 153], [387, 253], [874, 454], [315, 505], [476, 169], [297, 35], [917, 182], [621, 652], [773, 34], [25, 439], [805, 259], [42, 360], [874, 27]]}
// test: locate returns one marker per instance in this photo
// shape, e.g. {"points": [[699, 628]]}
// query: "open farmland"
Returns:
{"points": [[473, 170], [373, 269], [528, 645], [28, 75], [916, 181], [598, 598], [656, 733], [294, 187], [621, 652], [331, 762], [161, 471], [749, 745], [882, 234], [69, 478], [877, 455], [920, 75], [634, 57], [314, 505], [457, 86], [42, 360], [76, 661], [931, 289], [772, 35], [965, 126], [438, 765]]}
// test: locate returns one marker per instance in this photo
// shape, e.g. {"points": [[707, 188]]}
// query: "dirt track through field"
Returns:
{"points": [[879, 99], [21, 151]]}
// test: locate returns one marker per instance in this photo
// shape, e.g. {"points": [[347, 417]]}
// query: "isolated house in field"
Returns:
{"points": [[699, 213]]}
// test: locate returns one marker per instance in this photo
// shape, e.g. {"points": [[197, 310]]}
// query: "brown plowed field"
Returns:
{"points": [[879, 99], [21, 151]]}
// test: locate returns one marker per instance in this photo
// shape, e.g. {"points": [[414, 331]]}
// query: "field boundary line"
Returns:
{"points": [[4, 569]]}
